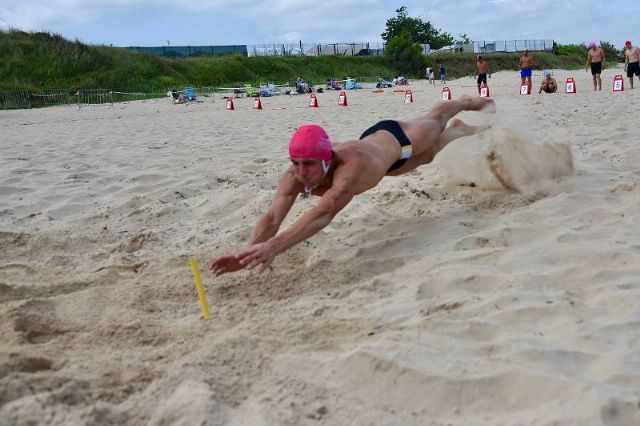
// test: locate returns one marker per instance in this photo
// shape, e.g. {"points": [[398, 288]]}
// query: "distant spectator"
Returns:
{"points": [[482, 71], [302, 86], [443, 74]]}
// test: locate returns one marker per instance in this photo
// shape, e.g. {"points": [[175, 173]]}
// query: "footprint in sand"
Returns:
{"points": [[35, 321]]}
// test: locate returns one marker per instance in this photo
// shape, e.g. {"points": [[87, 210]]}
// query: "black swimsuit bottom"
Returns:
{"points": [[394, 128]]}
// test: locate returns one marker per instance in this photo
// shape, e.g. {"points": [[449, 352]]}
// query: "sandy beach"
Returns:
{"points": [[440, 297]]}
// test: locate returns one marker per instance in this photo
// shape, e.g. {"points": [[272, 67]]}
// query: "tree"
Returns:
{"points": [[463, 39], [611, 53], [419, 31], [406, 55]]}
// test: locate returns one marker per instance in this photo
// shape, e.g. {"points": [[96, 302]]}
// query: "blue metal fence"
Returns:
{"points": [[191, 51]]}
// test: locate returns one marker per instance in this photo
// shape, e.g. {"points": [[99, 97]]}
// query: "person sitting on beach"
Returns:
{"points": [[595, 59], [549, 84], [333, 84], [338, 172]]}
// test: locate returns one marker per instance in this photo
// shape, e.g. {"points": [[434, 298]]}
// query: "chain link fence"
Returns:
{"points": [[547, 46]]}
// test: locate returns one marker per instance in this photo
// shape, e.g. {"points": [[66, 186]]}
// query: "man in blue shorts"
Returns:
{"points": [[526, 64]]}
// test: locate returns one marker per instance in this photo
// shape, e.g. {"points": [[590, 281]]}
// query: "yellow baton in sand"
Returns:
{"points": [[199, 287]]}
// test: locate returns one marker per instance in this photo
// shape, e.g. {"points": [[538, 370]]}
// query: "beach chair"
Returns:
{"points": [[351, 84], [249, 90], [268, 89], [190, 94], [384, 83]]}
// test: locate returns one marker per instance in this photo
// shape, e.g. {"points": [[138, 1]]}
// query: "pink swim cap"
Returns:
{"points": [[627, 43], [310, 141], [592, 45]]}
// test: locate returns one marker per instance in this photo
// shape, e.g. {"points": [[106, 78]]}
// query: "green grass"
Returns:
{"points": [[41, 60]]}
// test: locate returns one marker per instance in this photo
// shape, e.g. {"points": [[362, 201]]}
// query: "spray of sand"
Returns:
{"points": [[503, 157]]}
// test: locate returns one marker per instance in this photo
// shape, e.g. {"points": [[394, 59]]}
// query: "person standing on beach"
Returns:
{"points": [[631, 61], [443, 74], [482, 71], [337, 173], [595, 59], [526, 64], [431, 76]]}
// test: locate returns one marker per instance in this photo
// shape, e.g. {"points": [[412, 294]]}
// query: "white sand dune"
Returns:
{"points": [[441, 297]]}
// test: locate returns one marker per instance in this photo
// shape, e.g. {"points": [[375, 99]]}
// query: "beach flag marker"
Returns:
{"points": [[230, 104], [618, 83], [525, 89], [342, 99], [446, 93], [408, 97], [313, 101], [570, 86], [484, 91], [257, 103], [202, 297]]}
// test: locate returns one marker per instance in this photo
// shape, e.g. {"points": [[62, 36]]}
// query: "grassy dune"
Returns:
{"points": [[41, 60]]}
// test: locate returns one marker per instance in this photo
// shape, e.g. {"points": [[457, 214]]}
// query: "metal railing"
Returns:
{"points": [[88, 97], [484, 46], [15, 99], [54, 97]]}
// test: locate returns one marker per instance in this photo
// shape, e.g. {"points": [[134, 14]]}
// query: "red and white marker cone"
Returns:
{"points": [[484, 91], [618, 83], [408, 97], [525, 89], [446, 93], [313, 101], [342, 99], [570, 85], [257, 103], [230, 104]]}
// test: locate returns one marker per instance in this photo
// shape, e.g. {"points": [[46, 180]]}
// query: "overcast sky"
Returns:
{"points": [[220, 22]]}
